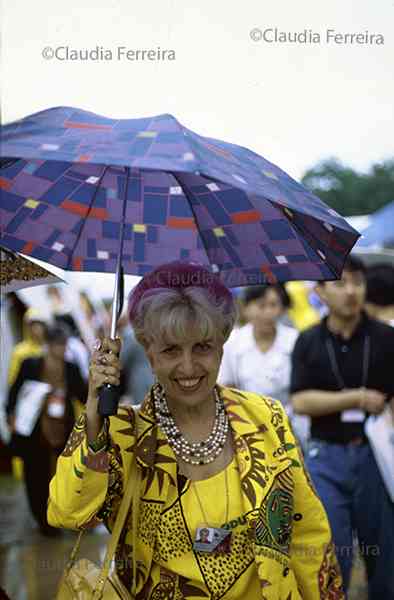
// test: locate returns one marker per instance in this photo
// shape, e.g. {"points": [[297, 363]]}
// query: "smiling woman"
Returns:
{"points": [[210, 459], [183, 331]]}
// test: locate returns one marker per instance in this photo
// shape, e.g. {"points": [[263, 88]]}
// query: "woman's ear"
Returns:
{"points": [[150, 355]]}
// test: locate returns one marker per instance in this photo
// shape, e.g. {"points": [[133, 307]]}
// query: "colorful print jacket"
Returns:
{"points": [[290, 537]]}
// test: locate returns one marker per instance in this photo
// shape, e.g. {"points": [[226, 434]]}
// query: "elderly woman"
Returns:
{"points": [[210, 458]]}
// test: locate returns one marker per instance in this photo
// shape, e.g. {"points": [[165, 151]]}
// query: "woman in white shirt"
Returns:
{"points": [[257, 356]]}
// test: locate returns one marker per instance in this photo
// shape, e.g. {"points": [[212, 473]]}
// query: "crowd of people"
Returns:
{"points": [[328, 379]]}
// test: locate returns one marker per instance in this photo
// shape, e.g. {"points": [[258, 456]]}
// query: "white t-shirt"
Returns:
{"points": [[246, 367]]}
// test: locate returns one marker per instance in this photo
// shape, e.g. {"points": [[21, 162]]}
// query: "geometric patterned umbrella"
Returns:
{"points": [[187, 197], [17, 273]]}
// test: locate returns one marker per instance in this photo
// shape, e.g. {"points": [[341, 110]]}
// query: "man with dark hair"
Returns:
{"points": [[342, 371]]}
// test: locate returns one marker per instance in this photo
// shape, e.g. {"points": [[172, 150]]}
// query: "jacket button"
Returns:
{"points": [[286, 571], [297, 517]]}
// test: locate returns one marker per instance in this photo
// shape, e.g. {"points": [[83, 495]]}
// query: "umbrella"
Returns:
{"points": [[93, 193], [17, 273]]}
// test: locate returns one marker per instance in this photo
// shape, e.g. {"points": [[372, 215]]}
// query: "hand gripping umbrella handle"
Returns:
{"points": [[109, 395]]}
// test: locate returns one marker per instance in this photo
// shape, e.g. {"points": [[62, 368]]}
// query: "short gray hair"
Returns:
{"points": [[167, 315]]}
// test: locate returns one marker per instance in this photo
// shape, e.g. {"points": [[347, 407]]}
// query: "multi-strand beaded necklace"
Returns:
{"points": [[194, 453]]}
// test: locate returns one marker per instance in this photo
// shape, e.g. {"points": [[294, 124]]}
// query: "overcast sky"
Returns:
{"points": [[294, 103]]}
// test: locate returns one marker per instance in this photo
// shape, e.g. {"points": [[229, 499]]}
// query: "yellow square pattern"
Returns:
{"points": [[147, 134], [218, 231], [270, 174], [139, 228], [30, 203]]}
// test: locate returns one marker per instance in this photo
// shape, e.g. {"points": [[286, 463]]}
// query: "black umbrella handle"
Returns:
{"points": [[109, 395]]}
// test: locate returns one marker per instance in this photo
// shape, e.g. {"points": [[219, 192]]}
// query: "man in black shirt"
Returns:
{"points": [[343, 371]]}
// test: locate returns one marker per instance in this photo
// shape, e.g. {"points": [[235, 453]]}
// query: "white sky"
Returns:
{"points": [[293, 103]]}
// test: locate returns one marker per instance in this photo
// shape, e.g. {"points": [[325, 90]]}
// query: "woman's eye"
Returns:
{"points": [[169, 350], [203, 347]]}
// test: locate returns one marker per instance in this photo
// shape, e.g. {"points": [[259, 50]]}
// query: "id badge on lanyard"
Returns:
{"points": [[212, 539], [351, 415]]}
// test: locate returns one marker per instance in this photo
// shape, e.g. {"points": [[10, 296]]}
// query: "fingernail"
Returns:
{"points": [[97, 345]]}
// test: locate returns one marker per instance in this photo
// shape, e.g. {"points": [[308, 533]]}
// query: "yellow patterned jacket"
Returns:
{"points": [[290, 538]]}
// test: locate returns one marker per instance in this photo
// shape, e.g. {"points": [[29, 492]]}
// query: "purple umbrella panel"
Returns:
{"points": [[188, 197]]}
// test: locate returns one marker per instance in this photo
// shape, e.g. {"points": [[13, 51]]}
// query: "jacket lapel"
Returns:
{"points": [[260, 456], [159, 481], [153, 453]]}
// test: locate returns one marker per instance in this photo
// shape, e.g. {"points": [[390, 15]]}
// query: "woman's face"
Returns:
{"points": [[264, 312], [188, 370], [37, 330], [204, 534]]}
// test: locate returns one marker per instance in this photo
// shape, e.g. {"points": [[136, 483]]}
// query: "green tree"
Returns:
{"points": [[348, 191]]}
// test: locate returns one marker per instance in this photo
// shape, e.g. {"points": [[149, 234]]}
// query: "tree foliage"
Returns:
{"points": [[348, 191]]}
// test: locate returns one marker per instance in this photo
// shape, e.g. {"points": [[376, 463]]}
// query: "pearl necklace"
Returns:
{"points": [[194, 453]]}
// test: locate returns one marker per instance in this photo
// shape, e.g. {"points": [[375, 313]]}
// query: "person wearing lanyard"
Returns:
{"points": [[222, 501], [342, 371]]}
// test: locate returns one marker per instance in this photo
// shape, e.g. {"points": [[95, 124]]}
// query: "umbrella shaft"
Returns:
{"points": [[115, 303], [118, 288]]}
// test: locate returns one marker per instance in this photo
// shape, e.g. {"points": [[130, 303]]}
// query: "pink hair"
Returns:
{"points": [[178, 275]]}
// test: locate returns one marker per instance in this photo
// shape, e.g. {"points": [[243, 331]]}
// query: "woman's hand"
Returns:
{"points": [[104, 368]]}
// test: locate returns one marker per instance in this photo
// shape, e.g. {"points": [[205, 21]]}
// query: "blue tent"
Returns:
{"points": [[380, 233]]}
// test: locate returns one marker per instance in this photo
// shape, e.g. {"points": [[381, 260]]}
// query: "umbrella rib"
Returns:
{"points": [[300, 229], [7, 162], [86, 217], [189, 197]]}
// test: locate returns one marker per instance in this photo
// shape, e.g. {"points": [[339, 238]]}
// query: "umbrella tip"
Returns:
{"points": [[166, 117]]}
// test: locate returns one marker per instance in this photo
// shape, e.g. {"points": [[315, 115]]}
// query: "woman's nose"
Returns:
{"points": [[186, 366]]}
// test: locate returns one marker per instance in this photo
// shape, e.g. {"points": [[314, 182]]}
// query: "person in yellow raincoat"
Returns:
{"points": [[209, 457], [34, 330], [31, 346]]}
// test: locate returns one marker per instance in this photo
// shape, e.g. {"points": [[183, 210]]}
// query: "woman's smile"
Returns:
{"points": [[189, 385]]}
